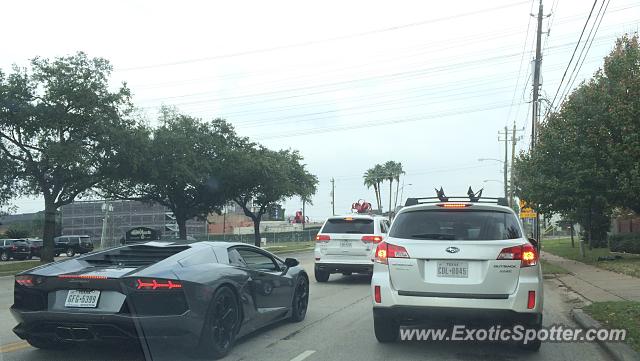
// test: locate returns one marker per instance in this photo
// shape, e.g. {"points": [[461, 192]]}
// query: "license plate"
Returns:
{"points": [[453, 269], [82, 298], [345, 244]]}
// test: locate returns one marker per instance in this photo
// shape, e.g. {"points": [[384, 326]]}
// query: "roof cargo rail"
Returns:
{"points": [[474, 197]]}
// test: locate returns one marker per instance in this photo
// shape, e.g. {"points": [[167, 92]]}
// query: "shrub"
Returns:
{"points": [[629, 243]]}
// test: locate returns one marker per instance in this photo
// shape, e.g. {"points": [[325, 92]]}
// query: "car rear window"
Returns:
{"points": [[480, 225], [348, 225]]}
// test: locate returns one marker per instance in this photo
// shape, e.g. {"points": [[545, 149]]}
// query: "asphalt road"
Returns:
{"points": [[338, 326]]}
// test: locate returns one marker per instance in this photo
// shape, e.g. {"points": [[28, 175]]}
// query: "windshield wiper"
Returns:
{"points": [[434, 236]]}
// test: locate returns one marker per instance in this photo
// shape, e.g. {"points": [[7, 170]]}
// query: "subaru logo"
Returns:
{"points": [[453, 249]]}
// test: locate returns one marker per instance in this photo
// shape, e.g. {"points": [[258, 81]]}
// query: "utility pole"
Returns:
{"points": [[514, 140], [536, 103], [508, 135], [333, 196], [506, 160]]}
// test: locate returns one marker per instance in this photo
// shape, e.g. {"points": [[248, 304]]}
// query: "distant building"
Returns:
{"points": [[87, 217]]}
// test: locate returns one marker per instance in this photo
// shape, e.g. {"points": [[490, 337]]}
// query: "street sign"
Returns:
{"points": [[526, 212]]}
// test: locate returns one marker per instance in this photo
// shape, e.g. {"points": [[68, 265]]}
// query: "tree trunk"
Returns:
{"points": [[395, 203], [390, 196], [49, 232], [256, 231], [572, 242], [182, 226], [375, 189], [379, 197]]}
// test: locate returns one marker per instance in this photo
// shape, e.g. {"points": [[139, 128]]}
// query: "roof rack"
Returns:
{"points": [[473, 197]]}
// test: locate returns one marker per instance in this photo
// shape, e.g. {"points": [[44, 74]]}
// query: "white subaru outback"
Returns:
{"points": [[345, 244], [450, 261]]}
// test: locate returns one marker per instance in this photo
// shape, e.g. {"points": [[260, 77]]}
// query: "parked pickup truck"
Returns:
{"points": [[72, 245]]}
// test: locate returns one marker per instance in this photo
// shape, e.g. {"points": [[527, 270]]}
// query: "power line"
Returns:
{"points": [[575, 72], [574, 53], [313, 131], [313, 42]]}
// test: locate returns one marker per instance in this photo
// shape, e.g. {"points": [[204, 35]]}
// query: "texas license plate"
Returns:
{"points": [[82, 298], [345, 244], [453, 269]]}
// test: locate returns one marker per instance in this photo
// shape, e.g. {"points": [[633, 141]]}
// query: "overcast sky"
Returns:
{"points": [[348, 83]]}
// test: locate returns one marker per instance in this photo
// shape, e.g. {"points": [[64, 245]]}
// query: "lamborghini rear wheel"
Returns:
{"points": [[222, 324]]}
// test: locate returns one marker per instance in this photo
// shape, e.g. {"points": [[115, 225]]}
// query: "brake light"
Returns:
{"points": [[373, 239], [526, 253], [25, 280], [454, 205], [154, 284], [384, 251], [323, 238], [83, 277], [531, 301], [376, 294]]}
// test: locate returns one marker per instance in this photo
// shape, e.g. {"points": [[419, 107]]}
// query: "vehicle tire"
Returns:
{"points": [[221, 324], [30, 256], [57, 254], [385, 328], [71, 252], [4, 257], [321, 276], [300, 300], [46, 344], [533, 346]]}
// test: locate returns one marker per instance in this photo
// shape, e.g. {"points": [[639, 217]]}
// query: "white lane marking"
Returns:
{"points": [[303, 355]]}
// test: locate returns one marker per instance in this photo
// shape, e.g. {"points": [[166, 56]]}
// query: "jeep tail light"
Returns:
{"points": [[525, 253], [384, 251], [323, 238], [372, 239], [153, 284]]}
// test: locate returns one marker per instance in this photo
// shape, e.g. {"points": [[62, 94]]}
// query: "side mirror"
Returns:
{"points": [[534, 242], [291, 262]]}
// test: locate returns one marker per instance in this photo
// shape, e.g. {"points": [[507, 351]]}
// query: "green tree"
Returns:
{"points": [[16, 233], [587, 159], [262, 178], [181, 164], [61, 124], [371, 179]]}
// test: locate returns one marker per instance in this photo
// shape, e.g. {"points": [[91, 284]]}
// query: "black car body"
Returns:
{"points": [[202, 295], [70, 245], [14, 248], [35, 246]]}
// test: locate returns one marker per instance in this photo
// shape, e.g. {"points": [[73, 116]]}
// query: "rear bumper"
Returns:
{"points": [[344, 267], [450, 315], [76, 327]]}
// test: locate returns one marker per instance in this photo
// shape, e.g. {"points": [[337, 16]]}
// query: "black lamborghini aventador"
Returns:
{"points": [[202, 295]]}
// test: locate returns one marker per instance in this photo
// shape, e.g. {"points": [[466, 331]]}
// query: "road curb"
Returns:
{"points": [[619, 351]]}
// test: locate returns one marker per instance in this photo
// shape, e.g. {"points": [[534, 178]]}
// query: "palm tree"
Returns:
{"points": [[371, 180], [389, 174], [398, 171], [379, 176]]}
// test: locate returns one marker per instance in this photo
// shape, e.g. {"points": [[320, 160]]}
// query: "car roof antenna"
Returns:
{"points": [[441, 196], [474, 196]]}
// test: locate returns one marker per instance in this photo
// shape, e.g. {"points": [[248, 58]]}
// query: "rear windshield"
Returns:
{"points": [[456, 225], [354, 225]]}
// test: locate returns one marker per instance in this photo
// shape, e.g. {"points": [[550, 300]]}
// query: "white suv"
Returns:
{"points": [[346, 244], [456, 261]]}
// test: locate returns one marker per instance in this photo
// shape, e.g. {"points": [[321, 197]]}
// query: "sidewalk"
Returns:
{"points": [[596, 284]]}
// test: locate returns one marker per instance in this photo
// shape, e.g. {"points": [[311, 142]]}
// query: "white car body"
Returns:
{"points": [[455, 277], [345, 244]]}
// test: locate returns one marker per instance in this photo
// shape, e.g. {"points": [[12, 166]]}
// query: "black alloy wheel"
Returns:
{"points": [[300, 300]]}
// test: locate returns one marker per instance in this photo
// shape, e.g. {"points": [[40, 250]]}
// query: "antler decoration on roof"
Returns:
{"points": [[440, 195], [473, 196]]}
